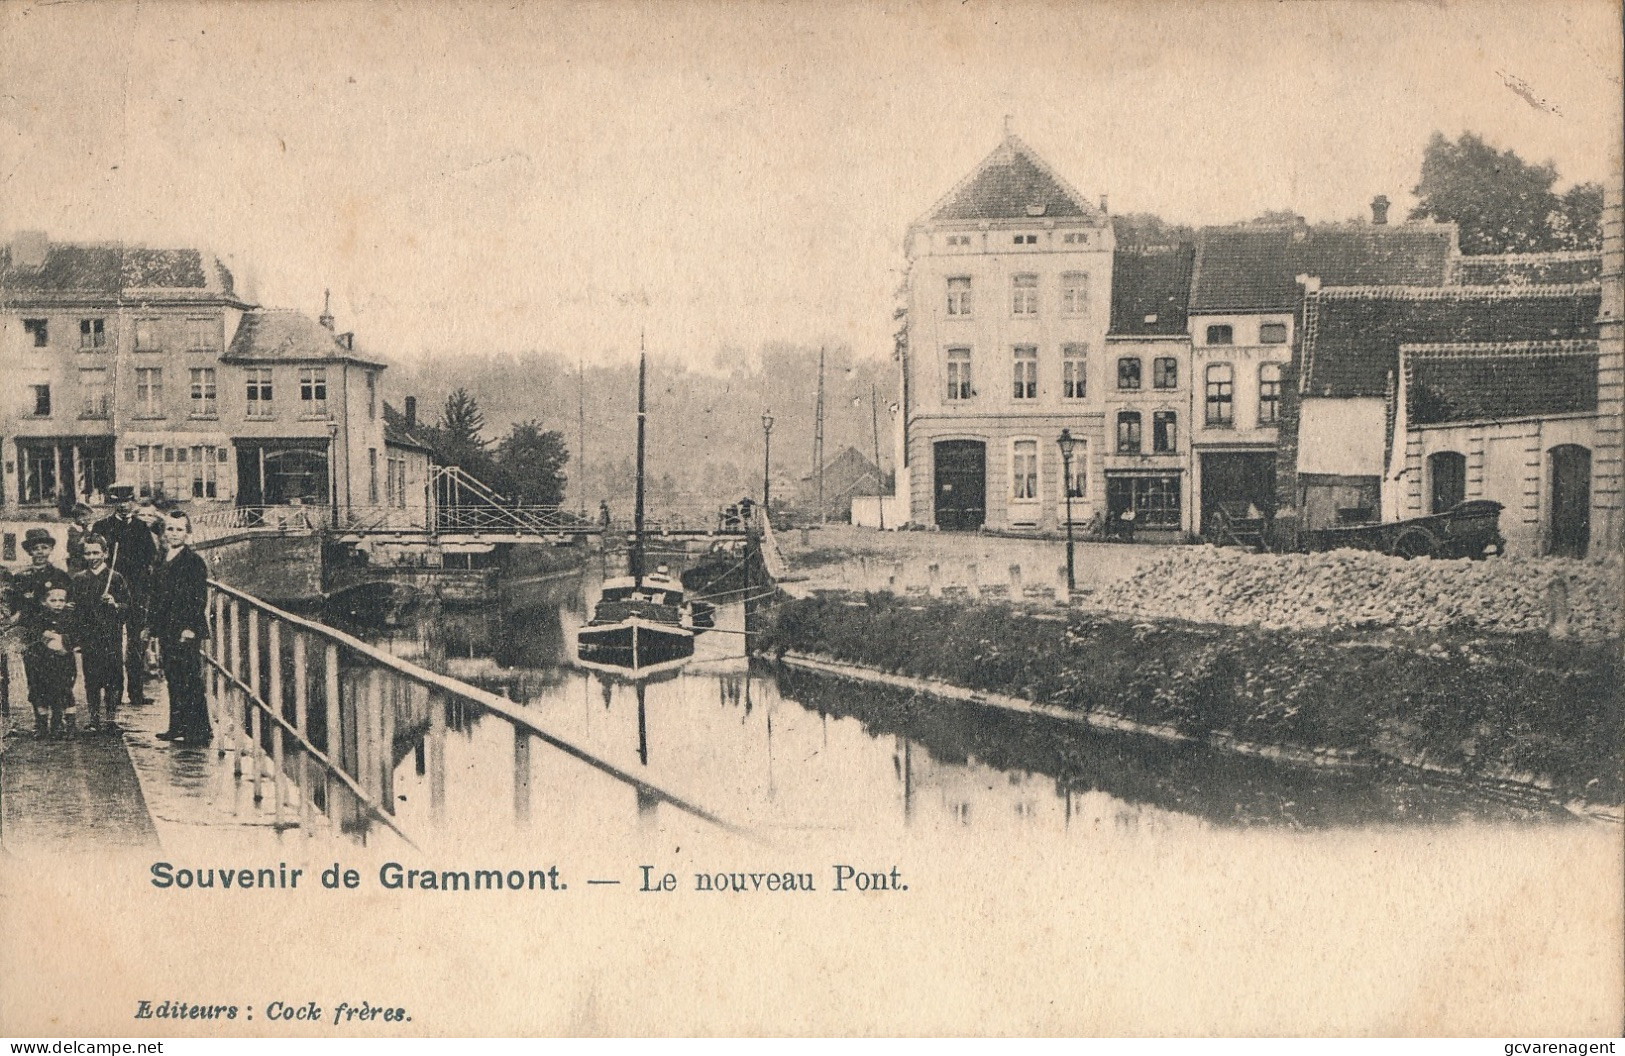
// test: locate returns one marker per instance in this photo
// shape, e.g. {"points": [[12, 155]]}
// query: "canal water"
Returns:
{"points": [[777, 751]]}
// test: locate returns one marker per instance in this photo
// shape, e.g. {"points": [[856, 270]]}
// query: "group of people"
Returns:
{"points": [[131, 583]]}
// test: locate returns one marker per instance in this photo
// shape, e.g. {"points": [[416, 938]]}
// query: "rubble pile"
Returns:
{"points": [[1359, 589]]}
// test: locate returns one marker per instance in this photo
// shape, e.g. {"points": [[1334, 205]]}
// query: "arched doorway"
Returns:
{"points": [[1447, 474], [961, 484], [1570, 533]]}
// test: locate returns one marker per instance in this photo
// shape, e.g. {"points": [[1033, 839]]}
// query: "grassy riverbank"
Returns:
{"points": [[1509, 707]]}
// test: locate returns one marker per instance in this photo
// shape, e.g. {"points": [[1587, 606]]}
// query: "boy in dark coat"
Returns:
{"points": [[180, 621], [101, 606], [51, 672]]}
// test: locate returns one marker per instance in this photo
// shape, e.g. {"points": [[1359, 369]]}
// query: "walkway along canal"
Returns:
{"points": [[473, 728]]}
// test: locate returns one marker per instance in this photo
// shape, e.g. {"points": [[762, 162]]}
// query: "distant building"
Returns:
{"points": [[1009, 295], [144, 367], [846, 475], [1244, 301]]}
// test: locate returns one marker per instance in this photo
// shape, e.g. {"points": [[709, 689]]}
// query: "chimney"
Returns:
{"points": [[28, 250], [1103, 204], [411, 412], [1379, 209], [326, 318]]}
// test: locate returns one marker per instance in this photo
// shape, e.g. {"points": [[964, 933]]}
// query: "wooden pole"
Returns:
{"points": [[276, 701], [335, 737], [301, 723], [253, 704], [521, 775]]}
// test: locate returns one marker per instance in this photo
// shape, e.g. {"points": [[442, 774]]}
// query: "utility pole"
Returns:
{"points": [[818, 436], [880, 474], [581, 432]]}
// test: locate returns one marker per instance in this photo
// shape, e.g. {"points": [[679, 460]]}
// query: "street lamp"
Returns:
{"points": [[767, 461], [1068, 445]]}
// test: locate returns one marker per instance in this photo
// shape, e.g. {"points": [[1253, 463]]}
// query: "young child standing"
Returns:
{"points": [[26, 599], [101, 607], [51, 670]]}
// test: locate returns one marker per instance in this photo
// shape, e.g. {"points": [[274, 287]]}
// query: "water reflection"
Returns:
{"points": [[773, 749]]}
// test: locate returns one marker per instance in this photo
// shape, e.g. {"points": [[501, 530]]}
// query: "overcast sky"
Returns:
{"points": [[489, 176]]}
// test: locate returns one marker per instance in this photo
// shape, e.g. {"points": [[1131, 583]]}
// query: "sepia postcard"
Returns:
{"points": [[791, 519]]}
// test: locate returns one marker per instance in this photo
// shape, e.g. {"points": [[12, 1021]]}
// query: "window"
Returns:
{"points": [[1221, 335], [1076, 238], [146, 335], [1025, 240], [200, 334], [1075, 293], [1269, 393], [1164, 432], [1024, 470], [1074, 370], [1272, 333], [40, 398], [175, 472], [1154, 499], [1024, 294], [1128, 372], [259, 392], [92, 333], [372, 476], [94, 396], [372, 395], [1128, 432], [1165, 373], [959, 302], [959, 374], [313, 390], [1026, 373], [149, 392], [203, 393], [1077, 481], [38, 466], [395, 484], [39, 330], [1221, 394], [958, 240]]}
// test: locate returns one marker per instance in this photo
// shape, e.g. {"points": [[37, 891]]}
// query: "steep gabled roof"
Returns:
{"points": [[283, 335], [77, 272], [1151, 289], [1351, 337], [1501, 380], [1012, 183], [1255, 268]]}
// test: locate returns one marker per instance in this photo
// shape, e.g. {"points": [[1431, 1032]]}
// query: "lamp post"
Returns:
{"points": [[767, 462], [1067, 445]]}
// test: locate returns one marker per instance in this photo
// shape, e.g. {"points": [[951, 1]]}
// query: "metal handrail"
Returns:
{"points": [[501, 706]]}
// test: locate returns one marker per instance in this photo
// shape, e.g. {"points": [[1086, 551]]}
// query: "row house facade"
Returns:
{"points": [[1008, 309], [144, 367], [1243, 323]]}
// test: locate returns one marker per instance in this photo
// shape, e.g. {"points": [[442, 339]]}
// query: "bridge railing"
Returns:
{"points": [[311, 717], [215, 523]]}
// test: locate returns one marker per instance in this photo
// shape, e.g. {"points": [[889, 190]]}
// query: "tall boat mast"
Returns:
{"points": [[637, 518]]}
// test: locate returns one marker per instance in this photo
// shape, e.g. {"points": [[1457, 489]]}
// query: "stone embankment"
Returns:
{"points": [[1352, 589]]}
